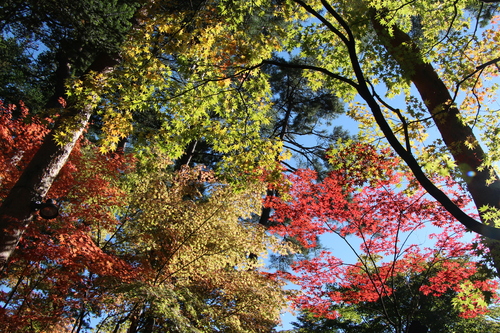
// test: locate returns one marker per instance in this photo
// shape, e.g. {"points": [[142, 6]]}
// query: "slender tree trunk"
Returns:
{"points": [[34, 183], [188, 155], [447, 119], [266, 211]]}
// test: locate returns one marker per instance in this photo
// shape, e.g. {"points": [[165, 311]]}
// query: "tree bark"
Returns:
{"points": [[447, 119], [34, 183]]}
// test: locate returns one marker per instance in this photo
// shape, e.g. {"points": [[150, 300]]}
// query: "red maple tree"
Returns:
{"points": [[60, 265], [359, 201]]}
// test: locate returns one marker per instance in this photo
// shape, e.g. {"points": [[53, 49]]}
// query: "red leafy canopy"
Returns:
{"points": [[58, 261], [359, 200], [20, 137]]}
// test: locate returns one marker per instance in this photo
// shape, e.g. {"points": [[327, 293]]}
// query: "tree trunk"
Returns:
{"points": [[34, 183], [446, 117]]}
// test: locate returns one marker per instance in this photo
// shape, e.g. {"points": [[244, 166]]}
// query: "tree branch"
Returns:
{"points": [[410, 160]]}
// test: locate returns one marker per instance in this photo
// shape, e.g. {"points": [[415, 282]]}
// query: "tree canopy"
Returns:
{"points": [[395, 284], [163, 129]]}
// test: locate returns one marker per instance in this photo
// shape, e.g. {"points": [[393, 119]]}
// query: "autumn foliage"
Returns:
{"points": [[145, 243], [19, 139], [362, 203], [58, 260], [136, 245], [140, 245]]}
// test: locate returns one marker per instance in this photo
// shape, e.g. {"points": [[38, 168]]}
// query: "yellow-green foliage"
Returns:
{"points": [[198, 246], [448, 35], [194, 70]]}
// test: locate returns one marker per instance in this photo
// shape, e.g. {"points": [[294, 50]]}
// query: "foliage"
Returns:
{"points": [[136, 246], [183, 78], [20, 77], [76, 31], [300, 112], [394, 281], [359, 319], [194, 238], [386, 51], [17, 131], [156, 247], [57, 261]]}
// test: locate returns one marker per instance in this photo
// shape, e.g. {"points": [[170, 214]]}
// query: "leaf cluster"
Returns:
{"points": [[394, 282]]}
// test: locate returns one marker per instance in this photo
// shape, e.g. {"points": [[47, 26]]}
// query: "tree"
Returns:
{"points": [[300, 111], [395, 285], [193, 238], [189, 74], [136, 245], [400, 45], [20, 77], [354, 320], [153, 70], [50, 24], [59, 263]]}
